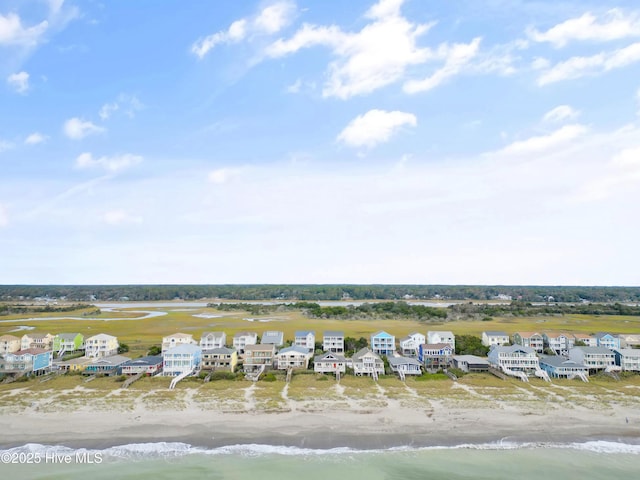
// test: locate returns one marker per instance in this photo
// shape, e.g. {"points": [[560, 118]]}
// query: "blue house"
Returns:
{"points": [[383, 343], [30, 360], [562, 367], [607, 340]]}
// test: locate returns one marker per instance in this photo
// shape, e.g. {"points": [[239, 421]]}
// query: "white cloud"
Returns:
{"points": [[225, 174], [268, 21], [77, 128], [35, 138], [4, 216], [374, 57], [456, 57], [543, 143], [120, 217], [12, 32], [375, 127], [540, 63], [576, 67], [4, 145], [19, 81], [616, 25], [111, 164], [295, 86], [129, 104], [560, 113]]}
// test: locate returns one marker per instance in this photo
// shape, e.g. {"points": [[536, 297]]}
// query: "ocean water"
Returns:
{"points": [[179, 461]]}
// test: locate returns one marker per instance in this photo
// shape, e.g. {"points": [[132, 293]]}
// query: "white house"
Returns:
{"points": [[409, 345], [441, 336], [383, 343], [588, 340], [491, 338], [406, 365], [305, 339], [628, 359], [176, 339], [293, 357], [211, 340], [333, 341], [242, 339], [366, 362], [514, 358], [594, 358], [470, 363], [533, 340], [560, 343], [101, 345], [181, 359], [329, 362]]}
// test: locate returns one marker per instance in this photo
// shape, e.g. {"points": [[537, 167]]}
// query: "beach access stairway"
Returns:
{"points": [[182, 376], [515, 373], [289, 374], [401, 375], [130, 380], [543, 375], [255, 376]]}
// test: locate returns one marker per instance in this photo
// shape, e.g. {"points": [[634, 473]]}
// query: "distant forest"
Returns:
{"points": [[293, 293]]}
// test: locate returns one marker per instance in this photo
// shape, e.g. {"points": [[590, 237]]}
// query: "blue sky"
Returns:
{"points": [[416, 141]]}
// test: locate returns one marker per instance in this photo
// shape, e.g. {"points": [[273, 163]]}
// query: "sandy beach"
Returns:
{"points": [[378, 416]]}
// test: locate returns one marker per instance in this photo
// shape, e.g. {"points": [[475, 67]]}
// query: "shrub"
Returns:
{"points": [[269, 377]]}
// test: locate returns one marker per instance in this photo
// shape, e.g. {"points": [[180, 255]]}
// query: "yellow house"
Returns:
{"points": [[220, 359], [9, 344], [101, 345], [75, 364]]}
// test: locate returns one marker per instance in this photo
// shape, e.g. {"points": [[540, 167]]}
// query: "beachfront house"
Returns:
{"points": [[514, 358], [560, 343], [333, 341], [594, 358], [305, 339], [470, 363], [242, 339], [562, 367], [9, 344], [272, 337], [588, 340], [492, 337], [181, 359], [101, 345], [441, 336], [107, 366], [221, 359], [172, 341], [435, 356], [150, 365], [383, 343], [67, 343], [628, 359], [211, 340], [329, 362], [293, 357], [533, 340], [629, 340], [405, 365], [72, 365], [409, 345], [257, 356], [366, 362], [607, 340], [37, 340], [30, 360]]}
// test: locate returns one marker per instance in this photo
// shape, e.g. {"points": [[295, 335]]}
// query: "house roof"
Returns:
{"points": [[294, 349], [144, 361], [527, 334], [213, 334], [415, 333], [557, 334], [184, 348], [382, 334], [220, 351], [495, 333], [69, 336], [333, 333], [304, 333], [471, 359], [101, 336], [629, 352], [435, 346], [600, 335], [36, 335], [9, 338], [75, 361], [114, 360], [245, 334], [512, 349], [328, 356], [260, 347], [582, 335], [594, 350], [365, 351], [442, 333], [31, 351], [557, 361], [272, 337], [180, 335], [395, 361]]}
